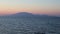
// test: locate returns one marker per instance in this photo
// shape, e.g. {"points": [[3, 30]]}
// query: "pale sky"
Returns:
{"points": [[50, 7]]}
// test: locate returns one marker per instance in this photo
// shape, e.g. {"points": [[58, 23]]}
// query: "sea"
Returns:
{"points": [[29, 25]]}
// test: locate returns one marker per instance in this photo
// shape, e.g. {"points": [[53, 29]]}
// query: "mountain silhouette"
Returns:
{"points": [[26, 14], [22, 14]]}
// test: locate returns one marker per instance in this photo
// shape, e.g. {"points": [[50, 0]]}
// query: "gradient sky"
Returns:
{"points": [[50, 7]]}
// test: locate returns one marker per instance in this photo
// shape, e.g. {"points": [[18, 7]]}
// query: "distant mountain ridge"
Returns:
{"points": [[26, 14]]}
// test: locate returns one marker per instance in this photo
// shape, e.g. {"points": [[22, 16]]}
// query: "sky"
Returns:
{"points": [[49, 7]]}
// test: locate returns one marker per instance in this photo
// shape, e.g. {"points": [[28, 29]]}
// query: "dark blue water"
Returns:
{"points": [[29, 25]]}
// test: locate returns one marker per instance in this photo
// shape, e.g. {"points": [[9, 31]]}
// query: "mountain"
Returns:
{"points": [[26, 14], [23, 14]]}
